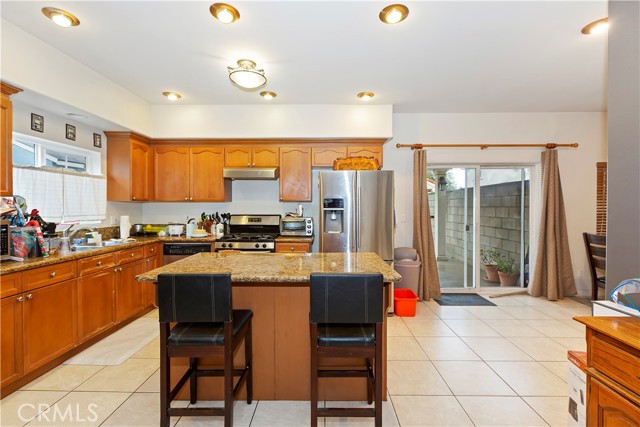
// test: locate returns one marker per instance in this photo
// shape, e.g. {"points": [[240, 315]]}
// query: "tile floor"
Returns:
{"points": [[448, 366]]}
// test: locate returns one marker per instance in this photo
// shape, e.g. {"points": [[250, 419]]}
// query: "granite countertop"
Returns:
{"points": [[294, 239], [7, 267], [275, 267]]}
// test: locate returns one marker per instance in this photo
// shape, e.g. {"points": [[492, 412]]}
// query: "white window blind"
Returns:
{"points": [[62, 195]]}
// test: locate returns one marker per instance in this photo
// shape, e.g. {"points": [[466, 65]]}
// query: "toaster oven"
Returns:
{"points": [[296, 226]]}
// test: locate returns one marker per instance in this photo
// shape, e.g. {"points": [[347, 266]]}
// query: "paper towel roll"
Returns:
{"points": [[125, 226]]}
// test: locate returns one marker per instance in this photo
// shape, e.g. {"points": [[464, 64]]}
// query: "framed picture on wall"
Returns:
{"points": [[97, 140], [71, 132], [37, 122]]}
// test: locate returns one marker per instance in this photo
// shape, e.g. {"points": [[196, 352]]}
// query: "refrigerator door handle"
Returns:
{"points": [[358, 219]]}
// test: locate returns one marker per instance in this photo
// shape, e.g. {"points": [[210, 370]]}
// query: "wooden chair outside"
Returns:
{"points": [[596, 247], [346, 321], [206, 327]]}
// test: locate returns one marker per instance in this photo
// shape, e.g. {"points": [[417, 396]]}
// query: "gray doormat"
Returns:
{"points": [[462, 299]]}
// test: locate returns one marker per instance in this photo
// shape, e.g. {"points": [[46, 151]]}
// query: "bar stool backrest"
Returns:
{"points": [[346, 298], [194, 297]]}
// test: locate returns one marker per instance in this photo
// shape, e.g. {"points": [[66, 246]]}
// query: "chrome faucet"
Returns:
{"points": [[89, 229]]}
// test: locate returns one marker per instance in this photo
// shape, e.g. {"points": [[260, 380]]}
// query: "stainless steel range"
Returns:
{"points": [[254, 233]]}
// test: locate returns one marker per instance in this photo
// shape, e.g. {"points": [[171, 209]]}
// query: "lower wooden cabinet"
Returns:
{"points": [[96, 307], [293, 247], [11, 338], [129, 293], [608, 408], [50, 322]]}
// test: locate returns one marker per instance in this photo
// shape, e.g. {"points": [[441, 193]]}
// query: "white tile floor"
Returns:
{"points": [[448, 366]]}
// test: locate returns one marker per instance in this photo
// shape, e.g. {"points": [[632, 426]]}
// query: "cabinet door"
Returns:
{"points": [[605, 407], [295, 174], [140, 171], [293, 247], [264, 156], [326, 156], [96, 303], [149, 288], [50, 323], [237, 157], [11, 338], [375, 152], [129, 293], [6, 172], [206, 182], [171, 174]]}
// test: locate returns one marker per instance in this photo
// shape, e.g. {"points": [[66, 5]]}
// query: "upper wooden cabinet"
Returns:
{"points": [[129, 167], [190, 174], [245, 156], [375, 152], [325, 156], [6, 129], [295, 174]]}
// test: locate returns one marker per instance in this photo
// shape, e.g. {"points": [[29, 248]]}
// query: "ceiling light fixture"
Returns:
{"points": [[172, 96], [224, 13], [61, 17], [246, 76], [268, 95], [365, 96], [394, 13], [599, 26]]}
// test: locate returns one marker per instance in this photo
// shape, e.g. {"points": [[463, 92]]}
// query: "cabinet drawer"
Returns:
{"points": [[48, 275], [150, 250], [96, 263], [10, 284], [293, 247], [129, 255], [621, 364]]}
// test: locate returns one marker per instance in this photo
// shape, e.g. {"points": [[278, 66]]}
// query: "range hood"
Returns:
{"points": [[251, 173]]}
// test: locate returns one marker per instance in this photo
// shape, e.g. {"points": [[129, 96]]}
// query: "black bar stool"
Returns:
{"points": [[346, 321], [206, 326]]}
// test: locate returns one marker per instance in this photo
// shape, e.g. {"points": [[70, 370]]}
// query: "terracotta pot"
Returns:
{"points": [[492, 273], [508, 279]]}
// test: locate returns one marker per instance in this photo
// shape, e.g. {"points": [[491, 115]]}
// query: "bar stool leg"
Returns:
{"points": [[378, 376], [228, 376], [314, 375], [193, 380], [165, 376], [248, 351]]}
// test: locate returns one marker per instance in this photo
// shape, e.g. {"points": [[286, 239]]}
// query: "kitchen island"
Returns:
{"points": [[276, 287]]}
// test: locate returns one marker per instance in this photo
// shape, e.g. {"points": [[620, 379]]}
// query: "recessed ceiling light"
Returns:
{"points": [[365, 96], [224, 13], [246, 75], [60, 17], [268, 95], [172, 96], [596, 27], [77, 116], [394, 13]]}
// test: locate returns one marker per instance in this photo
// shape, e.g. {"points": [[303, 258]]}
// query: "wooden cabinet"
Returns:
{"points": [[10, 284], [325, 156], [190, 174], [129, 295], [11, 339], [613, 364], [6, 148], [129, 167], [149, 288], [245, 156], [375, 152], [295, 174], [49, 274], [50, 321], [293, 247], [96, 308]]}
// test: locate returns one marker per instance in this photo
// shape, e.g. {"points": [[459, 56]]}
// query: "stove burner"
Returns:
{"points": [[245, 235]]}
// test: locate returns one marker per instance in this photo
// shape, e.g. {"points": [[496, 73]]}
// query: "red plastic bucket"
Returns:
{"points": [[404, 302]]}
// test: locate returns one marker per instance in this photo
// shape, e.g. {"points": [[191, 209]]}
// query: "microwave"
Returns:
{"points": [[296, 226]]}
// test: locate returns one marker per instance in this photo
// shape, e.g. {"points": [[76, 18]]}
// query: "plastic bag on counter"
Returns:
{"points": [[24, 242], [627, 293]]}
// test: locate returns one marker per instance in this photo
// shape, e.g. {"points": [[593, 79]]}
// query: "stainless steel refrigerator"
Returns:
{"points": [[357, 212]]}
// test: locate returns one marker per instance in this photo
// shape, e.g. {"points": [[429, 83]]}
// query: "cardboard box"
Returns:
{"points": [[577, 382]]}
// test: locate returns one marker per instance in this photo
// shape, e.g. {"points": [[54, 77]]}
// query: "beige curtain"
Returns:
{"points": [[553, 277], [429, 286]]}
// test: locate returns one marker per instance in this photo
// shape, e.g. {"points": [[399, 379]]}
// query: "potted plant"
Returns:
{"points": [[508, 271], [490, 259]]}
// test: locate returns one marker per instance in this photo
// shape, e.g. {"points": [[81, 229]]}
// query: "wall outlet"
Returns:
{"points": [[403, 218], [115, 220]]}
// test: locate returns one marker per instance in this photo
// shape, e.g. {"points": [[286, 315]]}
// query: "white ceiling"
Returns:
{"points": [[451, 56]]}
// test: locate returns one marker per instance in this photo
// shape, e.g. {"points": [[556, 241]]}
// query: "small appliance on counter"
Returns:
{"points": [[147, 230], [296, 226]]}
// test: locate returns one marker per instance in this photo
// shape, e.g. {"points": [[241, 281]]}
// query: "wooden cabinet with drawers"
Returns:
{"points": [[293, 247], [613, 367]]}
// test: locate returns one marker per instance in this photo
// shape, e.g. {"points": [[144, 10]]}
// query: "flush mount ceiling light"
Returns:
{"points": [[224, 13], [365, 96], [268, 95], [596, 27], [246, 76], [172, 96], [394, 13], [60, 17]]}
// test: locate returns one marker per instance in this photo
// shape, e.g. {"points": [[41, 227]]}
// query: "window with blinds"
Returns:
{"points": [[601, 198]]}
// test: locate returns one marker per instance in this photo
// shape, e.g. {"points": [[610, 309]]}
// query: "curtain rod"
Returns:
{"points": [[483, 146]]}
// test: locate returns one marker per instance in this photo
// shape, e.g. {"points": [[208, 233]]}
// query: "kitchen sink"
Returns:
{"points": [[93, 247]]}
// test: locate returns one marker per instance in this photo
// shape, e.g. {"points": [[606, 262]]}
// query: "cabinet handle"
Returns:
{"points": [[52, 274], [133, 198], [20, 299], [132, 254], [152, 250], [186, 198], [291, 248], [30, 296], [99, 263], [190, 198]]}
